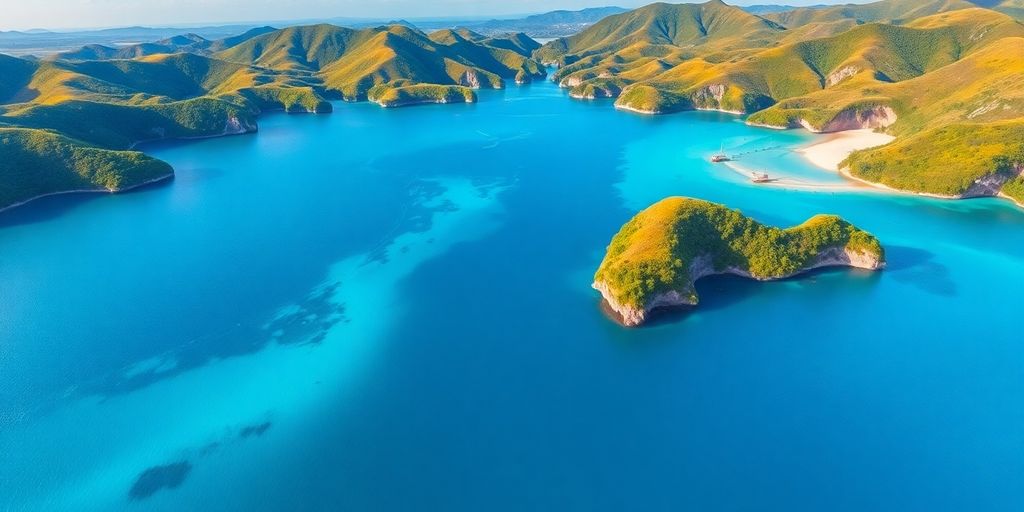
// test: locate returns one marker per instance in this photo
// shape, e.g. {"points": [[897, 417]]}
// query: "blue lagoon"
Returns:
{"points": [[391, 310]]}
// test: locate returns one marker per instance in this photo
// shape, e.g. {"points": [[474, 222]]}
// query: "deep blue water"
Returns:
{"points": [[390, 310]]}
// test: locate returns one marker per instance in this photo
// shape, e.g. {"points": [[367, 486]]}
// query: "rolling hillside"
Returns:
{"points": [[924, 71], [69, 122], [639, 45], [350, 62], [887, 11], [190, 43]]}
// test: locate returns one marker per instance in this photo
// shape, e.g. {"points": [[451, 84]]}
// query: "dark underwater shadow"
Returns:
{"points": [[917, 267], [721, 292], [50, 207], [156, 478]]}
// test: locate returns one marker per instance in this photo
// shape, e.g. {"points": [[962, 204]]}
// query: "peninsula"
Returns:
{"points": [[69, 122], [655, 259], [941, 76]]}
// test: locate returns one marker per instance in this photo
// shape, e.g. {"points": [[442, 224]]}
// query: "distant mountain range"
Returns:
{"points": [[544, 26], [772, 8], [43, 42], [68, 121]]}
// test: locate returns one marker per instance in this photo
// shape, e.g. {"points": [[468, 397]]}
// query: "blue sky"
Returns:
{"points": [[63, 14]]}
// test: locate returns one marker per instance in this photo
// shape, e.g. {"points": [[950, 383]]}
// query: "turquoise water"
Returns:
{"points": [[390, 310]]}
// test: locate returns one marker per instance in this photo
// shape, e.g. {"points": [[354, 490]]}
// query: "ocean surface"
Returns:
{"points": [[390, 310]]}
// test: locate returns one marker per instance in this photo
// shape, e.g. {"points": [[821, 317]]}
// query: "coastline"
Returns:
{"points": [[88, 191], [830, 153], [795, 184], [845, 172], [701, 267], [627, 108]]}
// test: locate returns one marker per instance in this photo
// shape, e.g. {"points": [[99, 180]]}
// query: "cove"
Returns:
{"points": [[390, 310]]}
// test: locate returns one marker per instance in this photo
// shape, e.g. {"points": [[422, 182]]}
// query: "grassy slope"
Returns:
{"points": [[351, 62], [889, 11], [416, 94], [16, 74], [185, 43], [954, 80], [859, 58], [36, 162], [72, 115], [957, 124], [948, 160], [652, 253], [641, 44]]}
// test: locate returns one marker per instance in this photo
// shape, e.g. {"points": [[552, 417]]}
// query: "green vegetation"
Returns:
{"points": [[416, 94], [190, 43], [70, 121], [936, 161], [36, 162], [656, 251], [934, 71], [349, 62], [1014, 189], [890, 11]]}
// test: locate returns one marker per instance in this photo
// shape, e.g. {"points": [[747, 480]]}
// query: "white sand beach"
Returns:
{"points": [[829, 153]]}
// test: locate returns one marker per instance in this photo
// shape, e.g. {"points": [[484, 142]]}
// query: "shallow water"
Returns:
{"points": [[390, 310]]}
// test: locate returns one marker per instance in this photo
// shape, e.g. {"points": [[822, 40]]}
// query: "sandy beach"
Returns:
{"points": [[829, 153]]}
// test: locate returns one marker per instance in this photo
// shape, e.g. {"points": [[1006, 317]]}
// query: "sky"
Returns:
{"points": [[67, 14]]}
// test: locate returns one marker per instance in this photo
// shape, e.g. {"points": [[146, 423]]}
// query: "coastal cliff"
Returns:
{"points": [[655, 259]]}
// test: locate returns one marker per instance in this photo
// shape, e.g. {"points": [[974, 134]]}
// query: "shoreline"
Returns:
{"points": [[838, 257], [845, 172], [88, 191], [796, 184], [828, 154]]}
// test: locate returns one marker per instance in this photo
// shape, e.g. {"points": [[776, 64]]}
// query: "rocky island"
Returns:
{"points": [[655, 259]]}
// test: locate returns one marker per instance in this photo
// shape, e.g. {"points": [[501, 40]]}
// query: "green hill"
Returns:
{"points": [[36, 162], [637, 45], [866, 55], [656, 257], [675, 25], [88, 108], [185, 43], [16, 74], [923, 71], [350, 62], [887, 11]]}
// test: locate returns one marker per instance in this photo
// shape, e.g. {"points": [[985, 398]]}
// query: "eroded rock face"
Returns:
{"points": [[572, 81], [858, 119], [703, 267], [990, 185], [236, 126], [470, 79], [710, 96], [840, 75]]}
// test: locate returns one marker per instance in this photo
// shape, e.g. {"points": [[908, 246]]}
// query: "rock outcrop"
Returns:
{"points": [[657, 257], [872, 118]]}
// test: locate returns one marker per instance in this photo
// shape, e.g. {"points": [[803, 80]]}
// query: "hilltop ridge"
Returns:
{"points": [[826, 69], [68, 116]]}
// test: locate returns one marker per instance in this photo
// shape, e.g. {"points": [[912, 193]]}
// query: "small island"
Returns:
{"points": [[655, 259], [390, 96]]}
